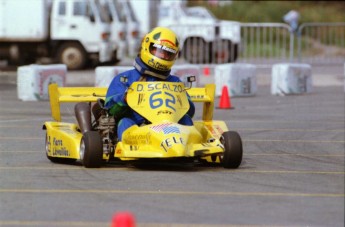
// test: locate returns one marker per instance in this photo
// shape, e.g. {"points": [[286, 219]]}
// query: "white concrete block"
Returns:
{"points": [[105, 74], [240, 79], [288, 78], [183, 71], [33, 80]]}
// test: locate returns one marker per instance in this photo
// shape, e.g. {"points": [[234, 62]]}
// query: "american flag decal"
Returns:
{"points": [[165, 128], [171, 129]]}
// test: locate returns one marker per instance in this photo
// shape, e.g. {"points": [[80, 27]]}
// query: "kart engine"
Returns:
{"points": [[105, 125]]}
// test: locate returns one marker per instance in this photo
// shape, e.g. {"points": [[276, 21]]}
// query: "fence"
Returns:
{"points": [[321, 43], [268, 43]]}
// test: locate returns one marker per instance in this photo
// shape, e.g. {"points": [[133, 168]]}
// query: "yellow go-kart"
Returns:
{"points": [[161, 138]]}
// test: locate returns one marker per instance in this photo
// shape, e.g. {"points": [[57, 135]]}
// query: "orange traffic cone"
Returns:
{"points": [[123, 219], [225, 102]]}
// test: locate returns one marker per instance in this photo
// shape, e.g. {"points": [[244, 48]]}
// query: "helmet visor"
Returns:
{"points": [[162, 52]]}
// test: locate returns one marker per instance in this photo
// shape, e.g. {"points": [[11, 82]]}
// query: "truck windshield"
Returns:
{"points": [[200, 12], [131, 12], [120, 11], [103, 14]]}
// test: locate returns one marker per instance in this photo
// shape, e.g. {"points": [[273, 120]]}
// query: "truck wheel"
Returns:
{"points": [[55, 159], [194, 50], [72, 55], [223, 52], [233, 50], [233, 150], [91, 150]]}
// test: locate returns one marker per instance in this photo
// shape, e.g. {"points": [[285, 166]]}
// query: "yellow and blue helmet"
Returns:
{"points": [[159, 49]]}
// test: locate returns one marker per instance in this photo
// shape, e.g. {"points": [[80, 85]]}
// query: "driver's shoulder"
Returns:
{"points": [[131, 74], [173, 78]]}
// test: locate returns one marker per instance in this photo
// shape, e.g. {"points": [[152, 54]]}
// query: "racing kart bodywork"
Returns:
{"points": [[163, 104]]}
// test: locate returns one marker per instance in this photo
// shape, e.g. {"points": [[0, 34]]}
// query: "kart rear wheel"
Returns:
{"points": [[91, 150], [233, 150], [55, 159]]}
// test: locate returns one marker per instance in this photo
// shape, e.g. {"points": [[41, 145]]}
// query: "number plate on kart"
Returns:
{"points": [[158, 101]]}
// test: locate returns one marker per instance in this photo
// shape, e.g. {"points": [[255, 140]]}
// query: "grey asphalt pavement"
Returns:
{"points": [[292, 172]]}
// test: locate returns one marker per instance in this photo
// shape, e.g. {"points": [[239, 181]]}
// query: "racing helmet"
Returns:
{"points": [[159, 49]]}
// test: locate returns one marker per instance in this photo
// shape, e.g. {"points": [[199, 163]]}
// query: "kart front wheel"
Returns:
{"points": [[233, 150], [91, 150]]}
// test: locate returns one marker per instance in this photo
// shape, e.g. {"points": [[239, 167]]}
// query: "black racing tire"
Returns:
{"points": [[72, 55], [91, 150], [55, 159], [233, 150]]}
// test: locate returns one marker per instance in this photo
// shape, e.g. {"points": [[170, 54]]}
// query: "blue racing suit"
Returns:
{"points": [[117, 106]]}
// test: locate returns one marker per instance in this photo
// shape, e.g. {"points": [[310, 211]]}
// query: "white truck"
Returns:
{"points": [[204, 38], [133, 35], [125, 27], [71, 32]]}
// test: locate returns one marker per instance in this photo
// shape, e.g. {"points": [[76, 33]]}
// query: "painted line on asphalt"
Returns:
{"points": [[244, 140], [289, 130], [162, 192], [23, 152], [119, 167], [246, 154], [107, 224], [303, 155], [51, 223], [21, 138], [295, 141], [284, 122]]}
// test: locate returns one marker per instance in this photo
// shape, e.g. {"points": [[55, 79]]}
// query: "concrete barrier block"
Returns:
{"points": [[240, 79], [183, 71], [33, 80], [288, 78], [105, 74]]}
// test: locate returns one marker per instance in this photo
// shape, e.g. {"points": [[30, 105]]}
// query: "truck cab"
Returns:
{"points": [[132, 27], [117, 26], [80, 31]]}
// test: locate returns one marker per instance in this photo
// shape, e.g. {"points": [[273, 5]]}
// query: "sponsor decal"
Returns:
{"points": [[157, 65], [197, 96], [159, 86], [166, 128], [61, 152], [169, 142], [215, 130], [164, 112], [165, 48], [219, 129], [57, 142], [58, 148], [137, 139], [134, 147]]}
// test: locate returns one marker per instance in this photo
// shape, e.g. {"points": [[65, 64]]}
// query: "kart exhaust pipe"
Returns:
{"points": [[82, 111]]}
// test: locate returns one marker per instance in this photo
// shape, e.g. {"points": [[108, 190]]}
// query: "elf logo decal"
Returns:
{"points": [[169, 142]]}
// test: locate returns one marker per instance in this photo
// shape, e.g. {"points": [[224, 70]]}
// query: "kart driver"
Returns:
{"points": [[159, 50]]}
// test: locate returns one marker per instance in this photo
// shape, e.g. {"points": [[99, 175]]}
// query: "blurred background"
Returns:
{"points": [[84, 34]]}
